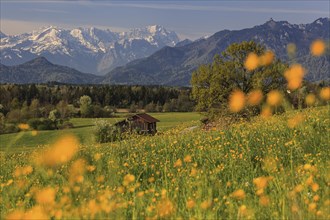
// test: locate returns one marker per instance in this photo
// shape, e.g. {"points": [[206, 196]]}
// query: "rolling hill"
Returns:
{"points": [[40, 70]]}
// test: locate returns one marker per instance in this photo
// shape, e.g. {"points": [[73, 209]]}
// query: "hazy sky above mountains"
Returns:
{"points": [[190, 19]]}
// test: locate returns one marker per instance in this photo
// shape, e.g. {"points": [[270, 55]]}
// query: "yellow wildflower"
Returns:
{"points": [[251, 62], [325, 93], [261, 182], [187, 159], [23, 126], [238, 194], [266, 112], [34, 132], [315, 187], [165, 208], [129, 178], [310, 99], [178, 163], [206, 204], [190, 204], [317, 48], [46, 196], [61, 152], [264, 200], [267, 58], [294, 75], [254, 97], [274, 98], [236, 101]]}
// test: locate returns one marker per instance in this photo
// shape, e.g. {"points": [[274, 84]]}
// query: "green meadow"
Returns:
{"points": [[83, 129], [267, 168]]}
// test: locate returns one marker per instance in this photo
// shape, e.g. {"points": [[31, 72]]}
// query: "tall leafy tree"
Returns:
{"points": [[213, 83], [85, 106]]}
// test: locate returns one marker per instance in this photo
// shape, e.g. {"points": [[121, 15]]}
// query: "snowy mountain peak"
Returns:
{"points": [[87, 49], [49, 33], [322, 21], [156, 29], [153, 29]]}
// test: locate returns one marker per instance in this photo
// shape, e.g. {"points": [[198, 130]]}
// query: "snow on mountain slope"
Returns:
{"points": [[86, 49]]}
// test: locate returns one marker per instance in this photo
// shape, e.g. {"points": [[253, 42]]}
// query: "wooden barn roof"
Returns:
{"points": [[146, 117]]}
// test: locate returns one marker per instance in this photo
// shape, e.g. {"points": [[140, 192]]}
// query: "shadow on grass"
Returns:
{"points": [[80, 126]]}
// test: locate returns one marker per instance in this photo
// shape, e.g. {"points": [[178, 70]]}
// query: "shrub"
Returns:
{"points": [[9, 128], [41, 124], [106, 132], [34, 123], [66, 125]]}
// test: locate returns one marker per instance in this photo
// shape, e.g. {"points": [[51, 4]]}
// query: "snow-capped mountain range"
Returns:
{"points": [[85, 49]]}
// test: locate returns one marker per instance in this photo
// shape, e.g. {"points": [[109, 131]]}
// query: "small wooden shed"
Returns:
{"points": [[141, 123]]}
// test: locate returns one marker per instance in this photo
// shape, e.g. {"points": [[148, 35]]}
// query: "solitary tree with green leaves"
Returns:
{"points": [[54, 116], [85, 106], [213, 83]]}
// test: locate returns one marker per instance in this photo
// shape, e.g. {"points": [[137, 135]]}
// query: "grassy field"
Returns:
{"points": [[274, 168], [84, 130]]}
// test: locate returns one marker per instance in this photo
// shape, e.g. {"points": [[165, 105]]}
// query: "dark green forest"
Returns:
{"points": [[14, 96], [49, 106]]}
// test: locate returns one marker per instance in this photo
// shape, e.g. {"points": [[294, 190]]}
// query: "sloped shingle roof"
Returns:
{"points": [[146, 117]]}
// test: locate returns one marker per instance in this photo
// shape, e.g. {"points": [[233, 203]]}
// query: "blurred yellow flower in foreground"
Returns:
{"points": [[19, 171], [294, 75], [187, 159], [264, 201], [251, 62], [267, 58], [254, 97], [317, 48], [128, 179], [325, 93], [190, 204], [236, 101], [15, 215], [165, 208], [274, 98], [46, 196], [261, 182], [206, 204], [238, 194], [36, 212], [60, 152], [295, 121], [315, 187], [23, 126], [34, 132], [243, 210], [178, 163], [266, 112], [310, 99], [76, 171]]}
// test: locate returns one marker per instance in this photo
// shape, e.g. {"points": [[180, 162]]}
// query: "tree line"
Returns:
{"points": [[46, 107], [14, 96]]}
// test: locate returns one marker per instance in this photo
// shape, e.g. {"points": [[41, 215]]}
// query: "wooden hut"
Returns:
{"points": [[141, 123]]}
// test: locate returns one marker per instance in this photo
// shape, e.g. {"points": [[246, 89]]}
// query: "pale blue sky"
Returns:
{"points": [[190, 19]]}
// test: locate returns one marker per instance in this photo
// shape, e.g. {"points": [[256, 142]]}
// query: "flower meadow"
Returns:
{"points": [[269, 167], [252, 170]]}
